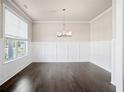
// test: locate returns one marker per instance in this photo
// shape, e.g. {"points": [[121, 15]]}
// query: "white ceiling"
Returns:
{"points": [[51, 10]]}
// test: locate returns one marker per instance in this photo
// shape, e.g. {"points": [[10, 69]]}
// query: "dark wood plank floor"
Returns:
{"points": [[60, 77]]}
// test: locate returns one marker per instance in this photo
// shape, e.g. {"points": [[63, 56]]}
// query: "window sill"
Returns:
{"points": [[9, 61]]}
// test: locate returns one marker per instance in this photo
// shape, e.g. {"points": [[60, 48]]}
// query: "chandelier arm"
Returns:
{"points": [[64, 33]]}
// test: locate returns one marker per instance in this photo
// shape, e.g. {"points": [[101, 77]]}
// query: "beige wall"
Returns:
{"points": [[101, 28], [47, 32]]}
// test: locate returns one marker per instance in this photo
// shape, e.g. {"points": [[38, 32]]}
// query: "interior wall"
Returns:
{"points": [[8, 70], [68, 49], [101, 40], [46, 32], [91, 42], [118, 44]]}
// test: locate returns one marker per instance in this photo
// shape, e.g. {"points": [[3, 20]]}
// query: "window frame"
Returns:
{"points": [[5, 36]]}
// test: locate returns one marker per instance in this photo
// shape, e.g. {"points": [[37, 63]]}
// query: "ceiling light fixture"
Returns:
{"points": [[64, 33]]}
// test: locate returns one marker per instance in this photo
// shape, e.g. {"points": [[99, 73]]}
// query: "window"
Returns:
{"points": [[16, 37]]}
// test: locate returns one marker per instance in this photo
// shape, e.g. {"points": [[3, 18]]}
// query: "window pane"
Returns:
{"points": [[21, 48], [23, 29], [8, 49], [14, 48], [14, 26], [11, 23], [16, 34]]}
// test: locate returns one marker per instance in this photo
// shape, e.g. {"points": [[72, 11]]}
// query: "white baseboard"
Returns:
{"points": [[60, 60], [94, 61]]}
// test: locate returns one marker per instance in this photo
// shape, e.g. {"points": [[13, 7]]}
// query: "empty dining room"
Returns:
{"points": [[61, 46]]}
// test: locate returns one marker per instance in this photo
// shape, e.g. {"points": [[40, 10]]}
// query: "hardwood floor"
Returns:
{"points": [[60, 77]]}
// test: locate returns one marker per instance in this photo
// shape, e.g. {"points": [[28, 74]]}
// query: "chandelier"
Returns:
{"points": [[64, 32]]}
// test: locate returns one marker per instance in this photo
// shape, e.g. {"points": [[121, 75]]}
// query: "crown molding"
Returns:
{"points": [[19, 9], [80, 22], [97, 17], [40, 21], [54, 22]]}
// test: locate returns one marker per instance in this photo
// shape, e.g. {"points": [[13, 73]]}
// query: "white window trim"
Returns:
{"points": [[4, 36]]}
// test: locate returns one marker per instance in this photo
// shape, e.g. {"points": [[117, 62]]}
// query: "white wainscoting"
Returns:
{"points": [[61, 51], [101, 54], [97, 52]]}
